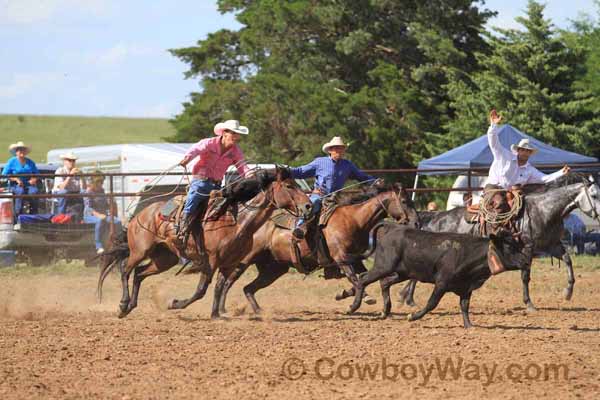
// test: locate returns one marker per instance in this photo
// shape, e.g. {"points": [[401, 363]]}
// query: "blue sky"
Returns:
{"points": [[109, 57]]}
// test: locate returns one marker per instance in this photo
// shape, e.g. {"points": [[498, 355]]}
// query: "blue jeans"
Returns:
{"points": [[61, 202], [198, 194], [317, 202], [33, 203], [99, 224]]}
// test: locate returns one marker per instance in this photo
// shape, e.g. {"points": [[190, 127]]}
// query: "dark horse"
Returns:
{"points": [[346, 232], [226, 240], [541, 225]]}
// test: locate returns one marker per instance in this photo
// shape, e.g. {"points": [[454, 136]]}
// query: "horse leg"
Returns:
{"points": [[525, 278], [217, 295], [465, 299], [124, 303], [139, 274], [267, 274], [561, 252], [233, 277], [203, 282], [359, 268], [434, 300], [386, 283], [407, 293]]}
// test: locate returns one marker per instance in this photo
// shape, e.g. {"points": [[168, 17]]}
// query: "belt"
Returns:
{"points": [[214, 182]]}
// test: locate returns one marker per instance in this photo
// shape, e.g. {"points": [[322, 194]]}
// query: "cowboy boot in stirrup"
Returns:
{"points": [[300, 231], [183, 231]]}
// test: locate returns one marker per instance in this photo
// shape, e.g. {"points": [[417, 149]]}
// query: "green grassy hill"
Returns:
{"points": [[44, 133]]}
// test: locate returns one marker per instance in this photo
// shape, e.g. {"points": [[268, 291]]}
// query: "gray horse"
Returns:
{"points": [[541, 225]]}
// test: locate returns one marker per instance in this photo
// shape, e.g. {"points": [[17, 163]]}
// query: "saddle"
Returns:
{"points": [[312, 251], [217, 206], [498, 204]]}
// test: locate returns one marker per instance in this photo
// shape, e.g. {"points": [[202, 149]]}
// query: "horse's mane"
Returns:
{"points": [[350, 198], [569, 179], [246, 189]]}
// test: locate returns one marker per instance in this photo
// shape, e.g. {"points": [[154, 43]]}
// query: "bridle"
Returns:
{"points": [[396, 197], [271, 200]]}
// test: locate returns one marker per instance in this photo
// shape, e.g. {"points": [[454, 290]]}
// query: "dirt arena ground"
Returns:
{"points": [[57, 342]]}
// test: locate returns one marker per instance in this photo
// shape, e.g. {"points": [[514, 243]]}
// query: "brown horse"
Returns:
{"points": [[226, 240], [346, 232]]}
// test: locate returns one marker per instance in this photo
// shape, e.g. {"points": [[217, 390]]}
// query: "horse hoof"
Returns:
{"points": [[384, 315], [410, 317], [350, 311], [568, 294], [340, 296], [531, 308], [173, 304], [369, 300]]}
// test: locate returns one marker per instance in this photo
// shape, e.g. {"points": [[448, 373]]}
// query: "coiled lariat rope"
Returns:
{"points": [[499, 218]]}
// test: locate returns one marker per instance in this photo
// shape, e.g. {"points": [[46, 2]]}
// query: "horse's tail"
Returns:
{"points": [[373, 239], [118, 252], [372, 245]]}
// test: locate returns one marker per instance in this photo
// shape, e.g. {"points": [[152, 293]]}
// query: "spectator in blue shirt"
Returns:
{"points": [[99, 211], [578, 235], [331, 173], [20, 164]]}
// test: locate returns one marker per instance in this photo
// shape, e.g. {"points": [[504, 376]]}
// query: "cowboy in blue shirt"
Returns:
{"points": [[331, 174], [19, 164]]}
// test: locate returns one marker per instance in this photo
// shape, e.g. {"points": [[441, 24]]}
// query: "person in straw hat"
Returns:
{"points": [[215, 155], [511, 168], [66, 184], [99, 210], [20, 164], [331, 173]]}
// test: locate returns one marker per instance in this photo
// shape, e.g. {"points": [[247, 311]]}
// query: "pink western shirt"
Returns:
{"points": [[212, 163]]}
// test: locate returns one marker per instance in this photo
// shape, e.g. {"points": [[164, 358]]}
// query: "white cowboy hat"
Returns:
{"points": [[13, 147], [68, 156], [336, 141], [231, 125], [523, 144]]}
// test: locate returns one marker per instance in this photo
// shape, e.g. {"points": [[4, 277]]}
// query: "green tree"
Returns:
{"points": [[586, 33], [531, 79], [301, 71]]}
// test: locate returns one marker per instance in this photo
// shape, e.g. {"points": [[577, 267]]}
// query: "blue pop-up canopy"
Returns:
{"points": [[477, 153]]}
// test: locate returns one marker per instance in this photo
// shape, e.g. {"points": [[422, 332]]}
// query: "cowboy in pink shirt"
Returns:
{"points": [[215, 156]]}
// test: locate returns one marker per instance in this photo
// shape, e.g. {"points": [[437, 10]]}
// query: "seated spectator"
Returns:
{"points": [[66, 185], [99, 210], [432, 206], [19, 164], [578, 236]]}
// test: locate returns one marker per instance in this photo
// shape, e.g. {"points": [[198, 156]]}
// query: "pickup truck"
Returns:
{"points": [[43, 243]]}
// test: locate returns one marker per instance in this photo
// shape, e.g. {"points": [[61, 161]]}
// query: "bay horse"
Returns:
{"points": [[346, 232], [542, 225], [226, 240]]}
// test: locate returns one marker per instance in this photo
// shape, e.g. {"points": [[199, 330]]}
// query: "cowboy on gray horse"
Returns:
{"points": [[511, 168]]}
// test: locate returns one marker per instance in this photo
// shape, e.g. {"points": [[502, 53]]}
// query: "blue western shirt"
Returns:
{"points": [[330, 175], [13, 166]]}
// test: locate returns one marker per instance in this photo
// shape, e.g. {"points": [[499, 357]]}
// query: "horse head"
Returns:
{"points": [[405, 204], [588, 199], [285, 194]]}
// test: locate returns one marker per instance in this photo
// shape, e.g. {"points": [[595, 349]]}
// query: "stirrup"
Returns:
{"points": [[298, 233]]}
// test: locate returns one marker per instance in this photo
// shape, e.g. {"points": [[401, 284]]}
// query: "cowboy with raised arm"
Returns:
{"points": [[511, 168], [215, 155], [331, 173]]}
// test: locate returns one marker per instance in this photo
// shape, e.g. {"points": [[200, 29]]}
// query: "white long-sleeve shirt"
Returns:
{"points": [[505, 170]]}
